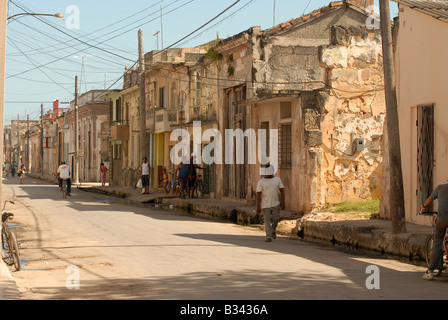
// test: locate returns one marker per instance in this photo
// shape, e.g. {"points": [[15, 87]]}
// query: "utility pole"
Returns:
{"points": [[76, 133], [3, 24], [274, 14], [41, 139], [396, 195], [161, 25], [142, 107], [27, 144], [18, 138]]}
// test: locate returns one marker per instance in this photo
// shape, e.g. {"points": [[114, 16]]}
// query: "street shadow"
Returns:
{"points": [[335, 278]]}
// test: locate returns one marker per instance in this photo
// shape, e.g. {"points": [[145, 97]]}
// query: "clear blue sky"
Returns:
{"points": [[44, 56]]}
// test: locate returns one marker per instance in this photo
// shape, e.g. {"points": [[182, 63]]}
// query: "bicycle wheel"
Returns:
{"points": [[428, 253], [14, 251], [64, 189], [4, 238], [7, 256]]}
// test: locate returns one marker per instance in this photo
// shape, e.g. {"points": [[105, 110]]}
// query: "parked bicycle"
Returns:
{"points": [[10, 252], [429, 245]]}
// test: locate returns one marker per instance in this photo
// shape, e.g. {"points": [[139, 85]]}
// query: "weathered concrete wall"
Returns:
{"points": [[355, 108]]}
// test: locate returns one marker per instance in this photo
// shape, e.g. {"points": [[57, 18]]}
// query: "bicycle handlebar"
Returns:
{"points": [[4, 204], [427, 213]]}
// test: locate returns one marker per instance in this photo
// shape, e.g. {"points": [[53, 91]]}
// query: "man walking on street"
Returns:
{"points": [[144, 173], [440, 193], [269, 203]]}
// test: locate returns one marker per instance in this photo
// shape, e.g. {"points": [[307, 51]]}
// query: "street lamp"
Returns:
{"points": [[3, 25], [56, 15]]}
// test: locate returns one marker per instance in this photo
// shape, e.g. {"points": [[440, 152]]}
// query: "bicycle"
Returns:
{"points": [[170, 185], [64, 189], [10, 253], [429, 245], [199, 187]]}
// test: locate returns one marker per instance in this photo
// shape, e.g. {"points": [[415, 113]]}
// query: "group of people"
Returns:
{"points": [[185, 174], [11, 168]]}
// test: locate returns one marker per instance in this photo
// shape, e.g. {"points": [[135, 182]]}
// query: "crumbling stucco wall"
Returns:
{"points": [[337, 72], [355, 109]]}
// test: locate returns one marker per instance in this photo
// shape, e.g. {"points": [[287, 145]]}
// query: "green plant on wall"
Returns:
{"points": [[212, 52]]}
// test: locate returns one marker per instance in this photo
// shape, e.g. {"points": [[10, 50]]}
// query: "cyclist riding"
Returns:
{"points": [[440, 229], [64, 175]]}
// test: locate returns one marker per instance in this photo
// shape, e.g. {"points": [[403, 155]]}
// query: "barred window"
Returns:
{"points": [[285, 145]]}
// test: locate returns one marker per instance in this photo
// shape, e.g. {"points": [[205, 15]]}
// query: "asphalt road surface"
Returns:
{"points": [[95, 247]]}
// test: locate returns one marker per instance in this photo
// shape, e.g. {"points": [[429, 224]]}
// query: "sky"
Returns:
{"points": [[96, 40]]}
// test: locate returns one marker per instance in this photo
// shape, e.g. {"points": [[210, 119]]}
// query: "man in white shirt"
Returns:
{"points": [[269, 203], [144, 173], [64, 174]]}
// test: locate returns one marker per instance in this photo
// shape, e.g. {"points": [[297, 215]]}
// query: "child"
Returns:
{"points": [[165, 182]]}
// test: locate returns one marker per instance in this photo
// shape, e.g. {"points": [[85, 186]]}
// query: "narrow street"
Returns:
{"points": [[126, 252]]}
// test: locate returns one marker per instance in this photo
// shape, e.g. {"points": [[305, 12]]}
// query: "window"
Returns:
{"points": [[285, 110], [162, 97], [265, 127], [285, 145]]}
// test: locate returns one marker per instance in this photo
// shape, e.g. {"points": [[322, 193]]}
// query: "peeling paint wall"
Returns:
{"points": [[336, 71]]}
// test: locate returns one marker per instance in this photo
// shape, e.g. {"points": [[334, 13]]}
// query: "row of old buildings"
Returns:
{"points": [[317, 81]]}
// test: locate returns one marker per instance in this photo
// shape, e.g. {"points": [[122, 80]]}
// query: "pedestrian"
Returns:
{"points": [[22, 172], [64, 174], [13, 169], [184, 170], [166, 181], [269, 203], [441, 194], [7, 168], [144, 173], [103, 170], [4, 166], [193, 174]]}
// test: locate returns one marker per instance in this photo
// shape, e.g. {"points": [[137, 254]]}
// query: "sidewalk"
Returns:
{"points": [[367, 236], [8, 287]]}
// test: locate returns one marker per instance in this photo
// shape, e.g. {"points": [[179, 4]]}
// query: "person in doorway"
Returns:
{"points": [[184, 170], [440, 229], [103, 171], [64, 174], [144, 173], [269, 203]]}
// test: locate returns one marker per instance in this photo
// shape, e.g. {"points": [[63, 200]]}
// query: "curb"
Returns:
{"points": [[8, 286]]}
